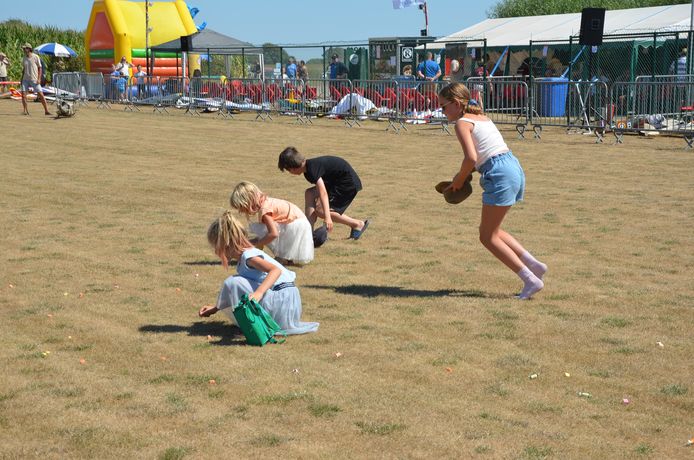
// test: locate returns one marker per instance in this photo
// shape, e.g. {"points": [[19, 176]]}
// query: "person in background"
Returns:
{"points": [[429, 69], [679, 65], [302, 71], [338, 71], [44, 72], [457, 74], [32, 71], [291, 69], [406, 80], [124, 67], [196, 83], [117, 83], [141, 88], [4, 62]]}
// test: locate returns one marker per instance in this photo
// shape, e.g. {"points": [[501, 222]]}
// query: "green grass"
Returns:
{"points": [[324, 410], [674, 389], [381, 429], [434, 350]]}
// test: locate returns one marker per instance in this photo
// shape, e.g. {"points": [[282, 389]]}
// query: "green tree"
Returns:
{"points": [[274, 53], [330, 51], [216, 66], [515, 8], [14, 33]]}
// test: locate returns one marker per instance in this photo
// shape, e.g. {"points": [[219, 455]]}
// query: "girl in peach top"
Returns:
{"points": [[282, 226]]}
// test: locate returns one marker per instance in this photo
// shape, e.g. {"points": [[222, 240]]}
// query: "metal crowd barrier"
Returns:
{"points": [[93, 85], [664, 78], [588, 108], [570, 104], [283, 96], [79, 86], [665, 106], [321, 97], [418, 103], [112, 91], [68, 86], [207, 95], [173, 93], [663, 103], [375, 100], [249, 95], [505, 100], [145, 91]]}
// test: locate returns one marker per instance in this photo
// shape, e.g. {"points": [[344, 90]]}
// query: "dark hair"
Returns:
{"points": [[290, 158]]}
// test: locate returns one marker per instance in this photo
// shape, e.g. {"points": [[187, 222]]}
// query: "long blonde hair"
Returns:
{"points": [[460, 93], [228, 237], [247, 198]]}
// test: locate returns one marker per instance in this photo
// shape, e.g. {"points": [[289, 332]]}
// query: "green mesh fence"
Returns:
{"points": [[623, 57]]}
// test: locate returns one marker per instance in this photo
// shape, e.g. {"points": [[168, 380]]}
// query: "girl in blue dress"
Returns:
{"points": [[259, 276]]}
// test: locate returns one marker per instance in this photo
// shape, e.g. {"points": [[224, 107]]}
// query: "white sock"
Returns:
{"points": [[538, 268], [531, 283]]}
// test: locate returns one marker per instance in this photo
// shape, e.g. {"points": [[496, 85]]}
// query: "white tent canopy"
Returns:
{"points": [[519, 31]]}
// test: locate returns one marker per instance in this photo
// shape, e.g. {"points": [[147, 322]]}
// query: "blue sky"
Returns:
{"points": [[284, 21]]}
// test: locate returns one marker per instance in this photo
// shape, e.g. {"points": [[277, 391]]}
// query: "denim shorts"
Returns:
{"points": [[502, 180], [26, 84]]}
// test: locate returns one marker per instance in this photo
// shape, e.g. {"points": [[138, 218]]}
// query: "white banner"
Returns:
{"points": [[399, 4]]}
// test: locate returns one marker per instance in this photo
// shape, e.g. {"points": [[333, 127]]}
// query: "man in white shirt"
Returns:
{"points": [[4, 62], [679, 66], [32, 70], [124, 67]]}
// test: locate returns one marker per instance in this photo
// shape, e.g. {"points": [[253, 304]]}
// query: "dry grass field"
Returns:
{"points": [[422, 350]]}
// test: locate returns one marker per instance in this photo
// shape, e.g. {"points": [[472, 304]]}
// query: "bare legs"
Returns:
{"points": [[498, 242], [507, 249], [314, 211], [41, 98]]}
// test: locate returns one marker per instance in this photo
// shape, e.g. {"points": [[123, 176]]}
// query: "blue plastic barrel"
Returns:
{"points": [[553, 93]]}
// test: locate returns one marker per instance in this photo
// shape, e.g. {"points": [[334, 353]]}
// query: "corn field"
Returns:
{"points": [[14, 33]]}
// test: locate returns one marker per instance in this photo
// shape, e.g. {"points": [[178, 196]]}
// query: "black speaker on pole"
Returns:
{"points": [[187, 43], [592, 26]]}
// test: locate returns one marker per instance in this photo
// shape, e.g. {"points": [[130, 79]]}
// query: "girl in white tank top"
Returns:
{"points": [[502, 180]]}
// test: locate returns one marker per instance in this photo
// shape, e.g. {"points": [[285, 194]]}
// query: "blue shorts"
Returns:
{"points": [[502, 180], [26, 84]]}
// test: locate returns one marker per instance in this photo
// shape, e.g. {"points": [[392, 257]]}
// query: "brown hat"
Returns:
{"points": [[27, 45], [457, 196]]}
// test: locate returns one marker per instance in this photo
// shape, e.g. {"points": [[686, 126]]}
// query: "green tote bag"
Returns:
{"points": [[256, 324]]}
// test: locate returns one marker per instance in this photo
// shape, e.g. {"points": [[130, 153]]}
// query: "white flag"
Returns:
{"points": [[398, 4]]}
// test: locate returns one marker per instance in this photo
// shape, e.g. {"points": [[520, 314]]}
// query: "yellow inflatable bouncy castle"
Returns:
{"points": [[117, 28]]}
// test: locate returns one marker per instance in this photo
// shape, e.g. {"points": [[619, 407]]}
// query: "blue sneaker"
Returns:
{"points": [[356, 234]]}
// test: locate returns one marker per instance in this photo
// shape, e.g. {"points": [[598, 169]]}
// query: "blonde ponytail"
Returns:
{"points": [[461, 94], [227, 236]]}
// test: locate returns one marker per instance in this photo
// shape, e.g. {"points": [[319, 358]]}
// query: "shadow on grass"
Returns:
{"points": [[226, 333], [368, 290]]}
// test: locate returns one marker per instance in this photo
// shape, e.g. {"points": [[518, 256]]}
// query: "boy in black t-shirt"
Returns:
{"points": [[336, 185]]}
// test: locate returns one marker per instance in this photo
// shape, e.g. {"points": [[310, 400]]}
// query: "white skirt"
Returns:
{"points": [[284, 305], [294, 242]]}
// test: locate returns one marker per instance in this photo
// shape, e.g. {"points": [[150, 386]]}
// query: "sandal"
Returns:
{"points": [[356, 234]]}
